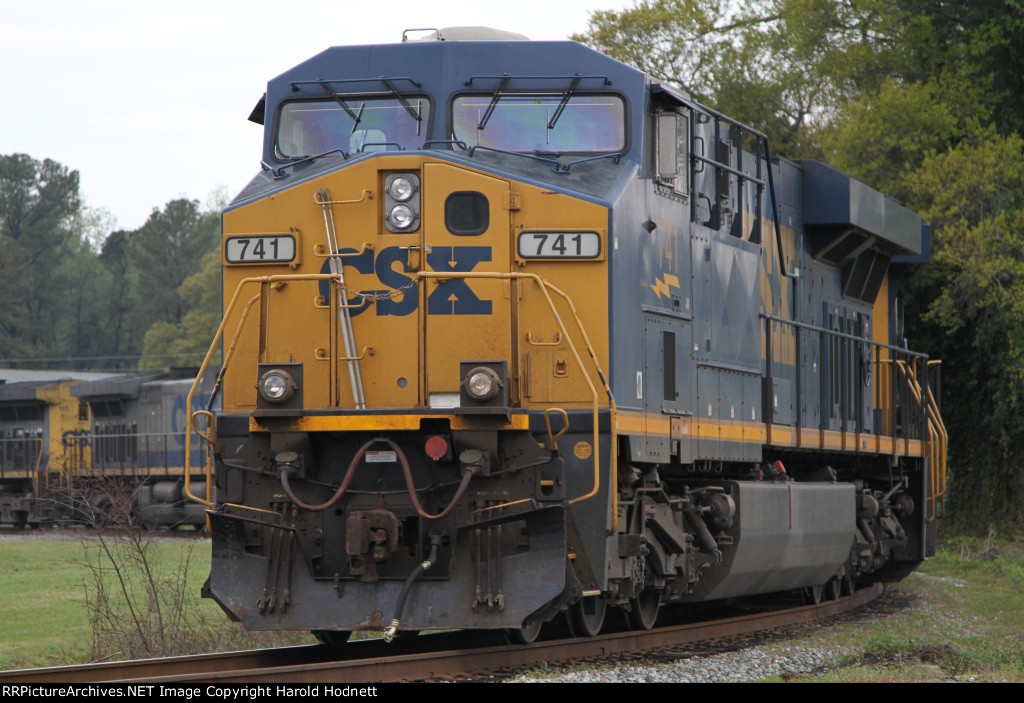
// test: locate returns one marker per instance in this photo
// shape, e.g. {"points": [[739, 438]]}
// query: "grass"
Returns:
{"points": [[45, 619], [962, 620]]}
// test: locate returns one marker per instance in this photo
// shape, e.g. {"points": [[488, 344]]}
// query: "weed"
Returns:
{"points": [[143, 604]]}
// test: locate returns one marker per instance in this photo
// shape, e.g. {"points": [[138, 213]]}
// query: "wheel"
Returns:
{"points": [[334, 638], [813, 594], [586, 616], [528, 633], [833, 588], [644, 608]]}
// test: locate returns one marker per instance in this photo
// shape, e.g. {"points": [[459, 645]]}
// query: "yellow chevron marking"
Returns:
{"points": [[665, 286]]}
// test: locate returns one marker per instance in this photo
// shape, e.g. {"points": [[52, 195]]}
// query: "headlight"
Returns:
{"points": [[402, 217], [482, 384], [276, 386], [401, 202], [401, 188]]}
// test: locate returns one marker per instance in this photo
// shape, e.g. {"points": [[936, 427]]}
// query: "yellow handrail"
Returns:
{"points": [[938, 439], [262, 281], [545, 287]]}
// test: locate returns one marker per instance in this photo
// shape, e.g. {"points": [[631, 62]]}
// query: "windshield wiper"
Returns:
{"points": [[565, 100], [344, 105], [494, 101], [405, 103], [355, 120]]}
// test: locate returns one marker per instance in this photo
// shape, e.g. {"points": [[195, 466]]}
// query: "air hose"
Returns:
{"points": [[391, 630]]}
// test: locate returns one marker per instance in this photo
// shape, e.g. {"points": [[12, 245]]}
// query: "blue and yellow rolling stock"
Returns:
{"points": [[41, 448], [512, 330], [98, 449], [136, 441]]}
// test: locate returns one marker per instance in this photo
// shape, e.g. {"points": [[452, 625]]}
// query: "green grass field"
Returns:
{"points": [[45, 616], [964, 621]]}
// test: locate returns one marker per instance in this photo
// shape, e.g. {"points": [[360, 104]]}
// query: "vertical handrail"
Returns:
{"points": [[323, 199], [228, 356], [546, 289], [938, 439], [942, 445], [38, 467]]}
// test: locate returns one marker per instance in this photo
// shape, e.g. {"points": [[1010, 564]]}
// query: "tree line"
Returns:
{"points": [[78, 296], [923, 100]]}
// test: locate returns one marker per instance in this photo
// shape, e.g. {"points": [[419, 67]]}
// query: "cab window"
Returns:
{"points": [[541, 123], [352, 125]]}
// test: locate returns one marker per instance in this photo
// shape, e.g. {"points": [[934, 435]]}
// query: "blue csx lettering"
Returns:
{"points": [[76, 437], [454, 297]]}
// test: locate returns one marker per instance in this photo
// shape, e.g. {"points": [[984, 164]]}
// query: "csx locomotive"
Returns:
{"points": [[513, 330], [95, 448]]}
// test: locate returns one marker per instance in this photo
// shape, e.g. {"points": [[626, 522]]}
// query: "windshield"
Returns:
{"points": [[541, 123], [352, 125]]}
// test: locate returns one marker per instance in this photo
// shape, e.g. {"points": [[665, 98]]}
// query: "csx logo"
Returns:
{"points": [[453, 297]]}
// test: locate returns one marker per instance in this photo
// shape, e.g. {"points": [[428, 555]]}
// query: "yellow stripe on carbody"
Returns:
{"points": [[638, 423], [383, 423]]}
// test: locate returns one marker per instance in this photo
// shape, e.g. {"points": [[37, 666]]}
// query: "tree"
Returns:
{"points": [[884, 138], [73, 294], [739, 58], [969, 309], [118, 284], [39, 204], [165, 251], [189, 339]]}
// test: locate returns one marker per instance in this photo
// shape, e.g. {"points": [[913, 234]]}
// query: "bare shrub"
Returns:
{"points": [[139, 606], [139, 598]]}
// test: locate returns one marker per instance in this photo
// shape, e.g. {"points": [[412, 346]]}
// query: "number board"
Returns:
{"points": [[260, 249], [559, 245]]}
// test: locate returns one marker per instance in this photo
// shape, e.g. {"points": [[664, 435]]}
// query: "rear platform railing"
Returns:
{"points": [[904, 408]]}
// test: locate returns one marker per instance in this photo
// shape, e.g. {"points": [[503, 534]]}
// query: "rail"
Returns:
{"points": [[17, 455], [126, 451], [444, 656]]}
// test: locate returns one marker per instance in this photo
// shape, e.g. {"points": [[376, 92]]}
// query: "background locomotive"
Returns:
{"points": [[79, 447], [512, 330]]}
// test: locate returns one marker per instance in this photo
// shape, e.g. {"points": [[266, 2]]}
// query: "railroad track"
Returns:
{"points": [[430, 657]]}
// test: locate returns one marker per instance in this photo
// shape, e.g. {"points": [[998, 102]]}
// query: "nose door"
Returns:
{"points": [[466, 230]]}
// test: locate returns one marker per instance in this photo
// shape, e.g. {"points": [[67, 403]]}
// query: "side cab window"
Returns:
{"points": [[673, 150]]}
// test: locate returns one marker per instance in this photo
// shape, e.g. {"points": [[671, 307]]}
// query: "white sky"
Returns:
{"points": [[149, 101]]}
